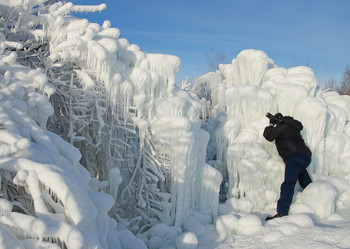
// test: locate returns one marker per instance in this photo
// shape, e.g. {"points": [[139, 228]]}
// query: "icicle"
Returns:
{"points": [[85, 80], [166, 66]]}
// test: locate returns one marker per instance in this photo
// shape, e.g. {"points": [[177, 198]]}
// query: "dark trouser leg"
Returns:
{"points": [[295, 170], [287, 189], [304, 177]]}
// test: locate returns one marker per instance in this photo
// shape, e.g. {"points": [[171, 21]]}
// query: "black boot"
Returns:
{"points": [[272, 217]]}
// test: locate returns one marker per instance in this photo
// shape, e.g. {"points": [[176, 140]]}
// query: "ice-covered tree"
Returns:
{"points": [[46, 200], [113, 102]]}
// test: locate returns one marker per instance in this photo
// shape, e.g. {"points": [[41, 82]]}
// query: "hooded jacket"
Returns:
{"points": [[287, 137]]}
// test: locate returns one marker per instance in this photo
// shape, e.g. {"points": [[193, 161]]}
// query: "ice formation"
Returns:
{"points": [[138, 134], [115, 107], [253, 85], [97, 141], [46, 198]]}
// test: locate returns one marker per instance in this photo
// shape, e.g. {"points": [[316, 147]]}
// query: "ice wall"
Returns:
{"points": [[254, 85]]}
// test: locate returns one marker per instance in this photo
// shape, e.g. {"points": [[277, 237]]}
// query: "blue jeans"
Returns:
{"points": [[295, 170]]}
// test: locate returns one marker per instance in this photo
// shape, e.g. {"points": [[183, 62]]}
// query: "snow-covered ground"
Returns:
{"points": [[301, 229], [101, 148], [294, 231]]}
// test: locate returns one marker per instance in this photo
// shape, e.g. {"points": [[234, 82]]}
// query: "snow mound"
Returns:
{"points": [[162, 235], [249, 224], [234, 205], [187, 240], [286, 226], [229, 224], [301, 220], [321, 198], [226, 225]]}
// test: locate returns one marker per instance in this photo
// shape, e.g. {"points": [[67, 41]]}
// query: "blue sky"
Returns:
{"points": [[313, 33]]}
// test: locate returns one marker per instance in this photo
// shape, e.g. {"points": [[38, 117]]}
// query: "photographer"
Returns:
{"points": [[285, 131]]}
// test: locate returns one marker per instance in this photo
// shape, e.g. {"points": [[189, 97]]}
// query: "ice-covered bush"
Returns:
{"points": [[46, 200], [138, 133]]}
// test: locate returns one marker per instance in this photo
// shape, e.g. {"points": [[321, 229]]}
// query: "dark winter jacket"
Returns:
{"points": [[287, 138]]}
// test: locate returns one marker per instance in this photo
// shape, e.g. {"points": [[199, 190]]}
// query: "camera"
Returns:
{"points": [[275, 119], [270, 116]]}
